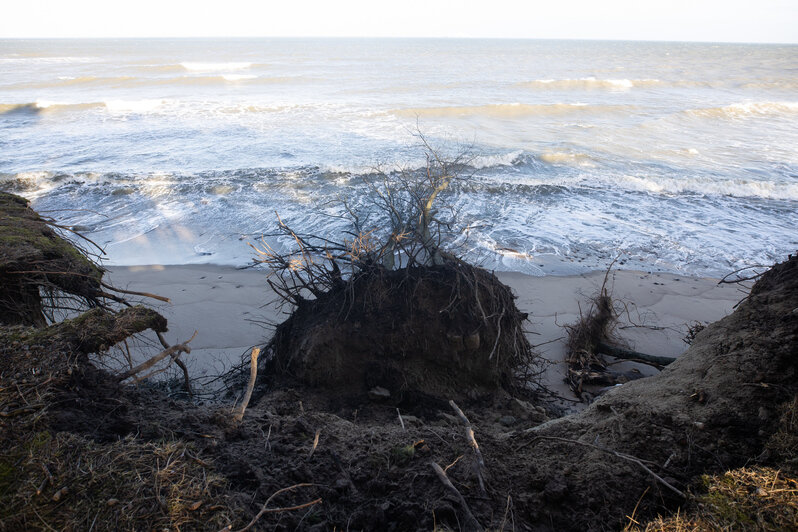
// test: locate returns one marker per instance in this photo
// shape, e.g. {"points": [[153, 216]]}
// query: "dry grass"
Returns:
{"points": [[783, 445], [65, 481], [755, 498], [51, 480]]}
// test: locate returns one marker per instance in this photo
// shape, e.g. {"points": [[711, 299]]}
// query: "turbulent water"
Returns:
{"points": [[684, 157]]}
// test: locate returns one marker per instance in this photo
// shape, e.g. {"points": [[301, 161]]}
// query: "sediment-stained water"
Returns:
{"points": [[684, 157]]}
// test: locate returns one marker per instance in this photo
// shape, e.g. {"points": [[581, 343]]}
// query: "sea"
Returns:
{"points": [[667, 156]]}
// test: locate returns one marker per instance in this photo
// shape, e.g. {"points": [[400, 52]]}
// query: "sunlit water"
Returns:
{"points": [[683, 157]]}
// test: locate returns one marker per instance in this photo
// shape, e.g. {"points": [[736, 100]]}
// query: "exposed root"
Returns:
{"points": [[591, 337], [585, 365], [440, 330]]}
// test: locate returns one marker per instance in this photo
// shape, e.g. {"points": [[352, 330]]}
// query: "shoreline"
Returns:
{"points": [[232, 308]]}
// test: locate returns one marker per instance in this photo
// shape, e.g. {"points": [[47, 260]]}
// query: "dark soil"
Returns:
{"points": [[450, 331], [80, 451]]}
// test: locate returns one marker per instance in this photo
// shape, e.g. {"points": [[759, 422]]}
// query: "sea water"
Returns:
{"points": [[680, 157]]}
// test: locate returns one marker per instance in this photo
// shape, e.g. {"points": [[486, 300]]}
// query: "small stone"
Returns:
{"points": [[508, 421], [112, 502], [378, 393]]}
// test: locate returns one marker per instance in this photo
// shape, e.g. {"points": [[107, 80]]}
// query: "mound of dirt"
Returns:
{"points": [[715, 408], [446, 331]]}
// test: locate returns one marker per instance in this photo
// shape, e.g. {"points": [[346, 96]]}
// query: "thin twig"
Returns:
{"points": [[134, 293], [265, 510], [315, 443], [172, 351], [480, 463], [471, 521], [622, 456]]}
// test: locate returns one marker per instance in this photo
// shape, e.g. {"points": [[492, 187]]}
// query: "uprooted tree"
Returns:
{"points": [[388, 303]]}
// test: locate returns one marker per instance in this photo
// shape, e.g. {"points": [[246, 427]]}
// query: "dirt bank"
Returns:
{"points": [[80, 450]]}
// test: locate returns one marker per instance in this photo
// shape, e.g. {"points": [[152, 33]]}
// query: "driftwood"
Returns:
{"points": [[480, 462], [253, 374], [628, 354], [603, 377], [471, 522], [591, 337]]}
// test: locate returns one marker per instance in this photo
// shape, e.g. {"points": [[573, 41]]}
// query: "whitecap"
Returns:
{"points": [[214, 67]]}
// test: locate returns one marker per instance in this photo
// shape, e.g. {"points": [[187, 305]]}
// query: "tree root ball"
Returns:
{"points": [[447, 331]]}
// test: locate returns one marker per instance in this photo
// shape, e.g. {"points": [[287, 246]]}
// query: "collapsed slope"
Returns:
{"points": [[79, 449]]}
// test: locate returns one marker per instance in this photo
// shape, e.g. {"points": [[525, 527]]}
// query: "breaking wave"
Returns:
{"points": [[589, 83], [215, 67], [748, 109], [509, 110]]}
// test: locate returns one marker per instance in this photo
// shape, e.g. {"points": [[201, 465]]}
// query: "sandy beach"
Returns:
{"points": [[232, 310]]}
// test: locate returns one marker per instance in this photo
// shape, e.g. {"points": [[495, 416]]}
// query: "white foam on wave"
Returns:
{"points": [[506, 110], [589, 83], [739, 188], [568, 158], [32, 184], [490, 161], [214, 67], [238, 77], [747, 109]]}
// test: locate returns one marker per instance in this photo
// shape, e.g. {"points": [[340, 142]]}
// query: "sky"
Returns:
{"points": [[669, 20]]}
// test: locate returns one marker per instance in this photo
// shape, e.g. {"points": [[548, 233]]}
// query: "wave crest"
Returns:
{"points": [[747, 109], [507, 110], [589, 83], [215, 67]]}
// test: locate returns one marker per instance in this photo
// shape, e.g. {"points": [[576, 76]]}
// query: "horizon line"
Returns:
{"points": [[391, 37]]}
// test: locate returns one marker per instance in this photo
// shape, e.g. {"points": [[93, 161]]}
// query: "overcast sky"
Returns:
{"points": [[678, 20]]}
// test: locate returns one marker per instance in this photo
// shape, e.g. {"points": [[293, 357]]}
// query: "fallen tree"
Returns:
{"points": [[386, 305]]}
